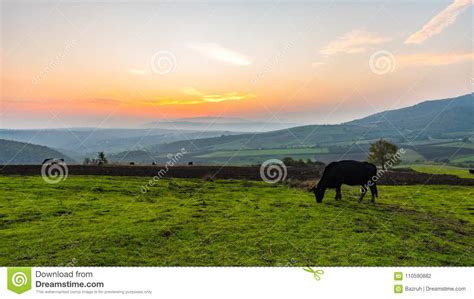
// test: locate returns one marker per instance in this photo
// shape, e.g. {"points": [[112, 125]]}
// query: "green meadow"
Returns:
{"points": [[265, 152], [107, 221], [442, 169]]}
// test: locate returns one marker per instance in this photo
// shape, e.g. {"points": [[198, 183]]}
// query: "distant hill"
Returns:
{"points": [[82, 142], [431, 119], [218, 124], [13, 152], [439, 117], [436, 130]]}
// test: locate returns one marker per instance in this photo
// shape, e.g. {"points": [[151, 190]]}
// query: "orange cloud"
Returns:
{"points": [[439, 22], [198, 97], [220, 53], [355, 41]]}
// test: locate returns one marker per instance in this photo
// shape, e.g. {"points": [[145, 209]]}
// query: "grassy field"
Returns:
{"points": [[458, 144], [411, 156], [442, 169], [107, 221], [467, 160], [265, 152]]}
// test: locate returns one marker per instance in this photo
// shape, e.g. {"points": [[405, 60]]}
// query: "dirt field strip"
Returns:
{"points": [[235, 172]]}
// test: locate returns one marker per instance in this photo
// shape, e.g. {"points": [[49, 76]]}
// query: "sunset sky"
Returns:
{"points": [[88, 64]]}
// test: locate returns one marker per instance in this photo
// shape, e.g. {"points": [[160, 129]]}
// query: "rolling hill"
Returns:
{"points": [[430, 119], [439, 117], [218, 124], [435, 130], [13, 152], [81, 142]]}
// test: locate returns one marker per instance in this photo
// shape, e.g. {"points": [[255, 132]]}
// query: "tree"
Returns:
{"points": [[381, 152], [101, 158]]}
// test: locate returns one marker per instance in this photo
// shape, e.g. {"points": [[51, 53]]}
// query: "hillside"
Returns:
{"points": [[81, 142], [453, 118], [435, 131], [13, 152], [218, 124], [440, 117]]}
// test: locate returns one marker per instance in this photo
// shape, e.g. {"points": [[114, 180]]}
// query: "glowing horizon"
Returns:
{"points": [[122, 65]]}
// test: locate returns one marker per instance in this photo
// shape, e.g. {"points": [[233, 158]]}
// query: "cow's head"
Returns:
{"points": [[318, 193]]}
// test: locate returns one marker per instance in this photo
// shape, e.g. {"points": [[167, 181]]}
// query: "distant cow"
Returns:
{"points": [[153, 163], [132, 163], [52, 161], [471, 171], [190, 163], [347, 172]]}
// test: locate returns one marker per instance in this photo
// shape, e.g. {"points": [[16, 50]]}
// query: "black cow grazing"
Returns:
{"points": [[132, 163], [347, 172], [190, 163], [471, 171]]}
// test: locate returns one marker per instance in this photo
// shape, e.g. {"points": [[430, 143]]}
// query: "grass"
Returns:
{"points": [[458, 144], [463, 159], [264, 152], [441, 169], [249, 160], [411, 156], [107, 221]]}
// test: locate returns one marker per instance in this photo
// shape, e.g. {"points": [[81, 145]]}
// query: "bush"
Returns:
{"points": [[288, 161]]}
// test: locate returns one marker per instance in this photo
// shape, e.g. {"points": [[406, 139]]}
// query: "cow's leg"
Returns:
{"points": [[338, 193], [373, 191], [363, 190]]}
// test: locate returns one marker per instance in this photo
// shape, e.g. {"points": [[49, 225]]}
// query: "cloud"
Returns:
{"points": [[217, 52], [355, 41], [439, 22], [197, 97], [434, 59]]}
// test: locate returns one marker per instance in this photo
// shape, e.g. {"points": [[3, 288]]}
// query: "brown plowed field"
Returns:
{"points": [[233, 172]]}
